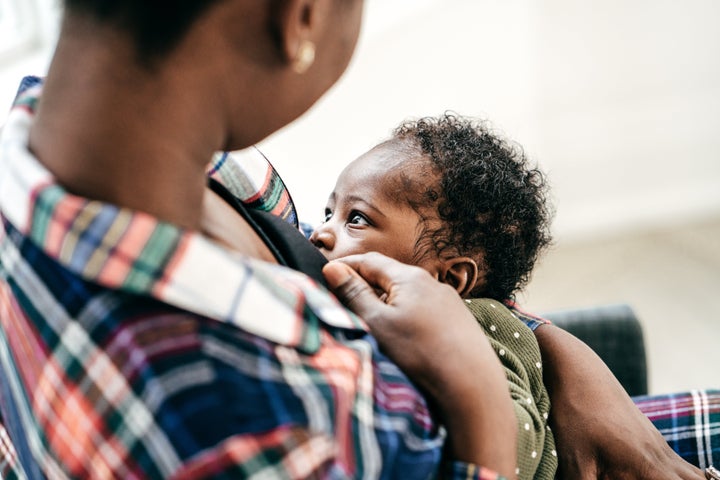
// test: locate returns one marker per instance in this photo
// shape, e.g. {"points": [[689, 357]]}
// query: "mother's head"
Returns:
{"points": [[273, 57]]}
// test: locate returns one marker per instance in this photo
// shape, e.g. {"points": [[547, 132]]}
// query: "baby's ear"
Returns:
{"points": [[461, 273]]}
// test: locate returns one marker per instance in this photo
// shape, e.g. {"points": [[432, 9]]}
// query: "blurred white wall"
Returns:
{"points": [[627, 110], [618, 100], [27, 39]]}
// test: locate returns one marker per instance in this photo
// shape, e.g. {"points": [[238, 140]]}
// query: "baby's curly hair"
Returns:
{"points": [[492, 202]]}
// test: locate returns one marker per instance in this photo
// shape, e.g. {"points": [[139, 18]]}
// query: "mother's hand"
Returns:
{"points": [[426, 329]]}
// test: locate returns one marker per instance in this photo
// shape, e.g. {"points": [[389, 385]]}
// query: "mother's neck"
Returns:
{"points": [[112, 130]]}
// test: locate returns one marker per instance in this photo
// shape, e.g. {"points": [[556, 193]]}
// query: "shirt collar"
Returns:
{"points": [[136, 252]]}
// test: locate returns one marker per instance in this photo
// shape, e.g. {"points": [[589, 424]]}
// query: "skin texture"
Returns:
{"points": [[362, 214], [365, 213]]}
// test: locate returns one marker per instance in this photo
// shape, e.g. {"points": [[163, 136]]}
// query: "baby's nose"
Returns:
{"points": [[322, 238]]}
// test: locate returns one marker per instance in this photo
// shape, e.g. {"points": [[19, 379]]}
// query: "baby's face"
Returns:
{"points": [[367, 212]]}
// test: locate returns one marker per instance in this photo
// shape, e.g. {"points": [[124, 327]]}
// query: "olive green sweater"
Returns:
{"points": [[518, 350]]}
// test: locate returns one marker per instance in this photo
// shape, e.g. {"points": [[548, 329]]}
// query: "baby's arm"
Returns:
{"points": [[518, 350]]}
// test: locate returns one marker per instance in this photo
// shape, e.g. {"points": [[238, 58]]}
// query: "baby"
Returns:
{"points": [[450, 196]]}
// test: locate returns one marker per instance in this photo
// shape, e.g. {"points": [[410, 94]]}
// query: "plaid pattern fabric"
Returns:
{"points": [[690, 422], [253, 181], [119, 361], [9, 466], [532, 321]]}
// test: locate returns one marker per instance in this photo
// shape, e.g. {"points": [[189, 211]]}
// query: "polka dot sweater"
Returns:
{"points": [[519, 353]]}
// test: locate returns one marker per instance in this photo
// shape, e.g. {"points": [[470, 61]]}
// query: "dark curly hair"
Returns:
{"points": [[491, 201]]}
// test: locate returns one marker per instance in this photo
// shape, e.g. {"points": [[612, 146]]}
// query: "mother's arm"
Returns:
{"points": [[600, 433]]}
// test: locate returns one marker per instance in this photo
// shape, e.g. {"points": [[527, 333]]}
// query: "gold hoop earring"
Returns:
{"points": [[304, 57]]}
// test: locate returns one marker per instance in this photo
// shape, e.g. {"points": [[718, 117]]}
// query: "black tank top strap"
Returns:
{"points": [[287, 244]]}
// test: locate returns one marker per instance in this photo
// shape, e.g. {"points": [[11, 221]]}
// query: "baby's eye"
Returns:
{"points": [[328, 215], [357, 218]]}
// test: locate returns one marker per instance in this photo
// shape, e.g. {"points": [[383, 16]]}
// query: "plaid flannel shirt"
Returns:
{"points": [[131, 348]]}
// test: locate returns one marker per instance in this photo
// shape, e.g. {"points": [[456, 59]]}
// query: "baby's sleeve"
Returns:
{"points": [[518, 351]]}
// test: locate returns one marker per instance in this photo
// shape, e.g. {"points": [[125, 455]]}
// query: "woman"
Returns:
{"points": [[147, 330], [175, 346]]}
